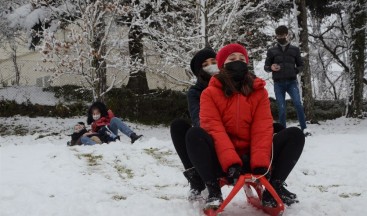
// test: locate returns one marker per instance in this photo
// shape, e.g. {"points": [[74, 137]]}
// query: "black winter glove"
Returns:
{"points": [[233, 173], [261, 171]]}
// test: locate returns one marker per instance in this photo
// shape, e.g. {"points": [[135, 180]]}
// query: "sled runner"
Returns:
{"points": [[251, 183]]}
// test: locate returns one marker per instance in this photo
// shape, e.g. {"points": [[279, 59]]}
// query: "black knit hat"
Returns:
{"points": [[199, 58]]}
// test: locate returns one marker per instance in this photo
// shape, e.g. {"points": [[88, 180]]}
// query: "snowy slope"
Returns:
{"points": [[42, 176]]}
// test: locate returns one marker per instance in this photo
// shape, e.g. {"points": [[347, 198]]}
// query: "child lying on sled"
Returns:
{"points": [[104, 134], [82, 136], [79, 131]]}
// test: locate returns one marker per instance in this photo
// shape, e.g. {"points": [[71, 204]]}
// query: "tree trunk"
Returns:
{"points": [[100, 86], [138, 82], [99, 63], [357, 65], [322, 77], [308, 101], [322, 72], [16, 67], [204, 21]]}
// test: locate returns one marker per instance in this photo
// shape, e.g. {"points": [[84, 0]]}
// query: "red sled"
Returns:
{"points": [[251, 183]]}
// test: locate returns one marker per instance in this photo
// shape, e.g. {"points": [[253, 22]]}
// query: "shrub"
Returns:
{"points": [[71, 93], [156, 107]]}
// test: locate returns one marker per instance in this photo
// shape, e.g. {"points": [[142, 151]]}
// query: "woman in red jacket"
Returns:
{"points": [[236, 134]]}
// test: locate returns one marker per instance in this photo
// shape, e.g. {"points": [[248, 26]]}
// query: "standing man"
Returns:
{"points": [[284, 62]]}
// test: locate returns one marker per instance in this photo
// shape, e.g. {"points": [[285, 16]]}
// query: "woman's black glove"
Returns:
{"points": [[233, 173], [261, 171]]}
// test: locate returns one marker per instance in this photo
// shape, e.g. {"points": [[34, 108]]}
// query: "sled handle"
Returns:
{"points": [[237, 187], [242, 180]]}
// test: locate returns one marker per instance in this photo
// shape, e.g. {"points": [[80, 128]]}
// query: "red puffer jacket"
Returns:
{"points": [[96, 125], [238, 124]]}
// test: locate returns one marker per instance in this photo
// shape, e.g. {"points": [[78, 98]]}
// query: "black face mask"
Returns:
{"points": [[236, 70], [282, 41]]}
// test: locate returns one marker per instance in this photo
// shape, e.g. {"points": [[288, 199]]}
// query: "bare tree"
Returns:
{"points": [[320, 60], [344, 38], [135, 14], [11, 37], [180, 28], [87, 51]]}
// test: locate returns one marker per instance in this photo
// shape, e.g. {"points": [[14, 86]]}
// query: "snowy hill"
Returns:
{"points": [[40, 175]]}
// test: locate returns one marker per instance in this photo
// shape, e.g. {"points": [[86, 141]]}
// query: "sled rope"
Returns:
{"points": [[253, 178]]}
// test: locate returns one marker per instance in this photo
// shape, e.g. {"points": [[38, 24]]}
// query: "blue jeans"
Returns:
{"points": [[290, 87], [117, 125], [87, 141]]}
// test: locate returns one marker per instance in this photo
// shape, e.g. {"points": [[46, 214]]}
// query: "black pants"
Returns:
{"points": [[178, 129], [200, 149], [287, 148], [195, 148]]}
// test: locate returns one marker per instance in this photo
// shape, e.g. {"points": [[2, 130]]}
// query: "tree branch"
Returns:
{"points": [[331, 51]]}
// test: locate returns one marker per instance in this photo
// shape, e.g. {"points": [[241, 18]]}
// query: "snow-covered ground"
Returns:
{"points": [[33, 94], [40, 175]]}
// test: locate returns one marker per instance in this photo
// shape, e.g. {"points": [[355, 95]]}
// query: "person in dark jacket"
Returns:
{"points": [[105, 125], [203, 65], [78, 131], [284, 62]]}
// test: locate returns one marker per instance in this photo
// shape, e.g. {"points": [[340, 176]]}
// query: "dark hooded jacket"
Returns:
{"points": [[75, 137], [290, 62], [193, 99]]}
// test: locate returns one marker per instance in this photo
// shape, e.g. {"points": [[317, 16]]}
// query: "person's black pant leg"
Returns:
{"points": [[178, 129], [200, 148], [287, 149]]}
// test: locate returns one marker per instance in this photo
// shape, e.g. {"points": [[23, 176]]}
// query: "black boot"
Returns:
{"points": [[196, 184], [214, 199], [268, 200], [286, 196], [282, 191], [134, 137]]}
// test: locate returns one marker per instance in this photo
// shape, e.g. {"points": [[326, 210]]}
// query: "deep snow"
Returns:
{"points": [[40, 175]]}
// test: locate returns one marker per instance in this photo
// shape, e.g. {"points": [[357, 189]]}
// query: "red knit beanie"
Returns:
{"points": [[227, 50]]}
